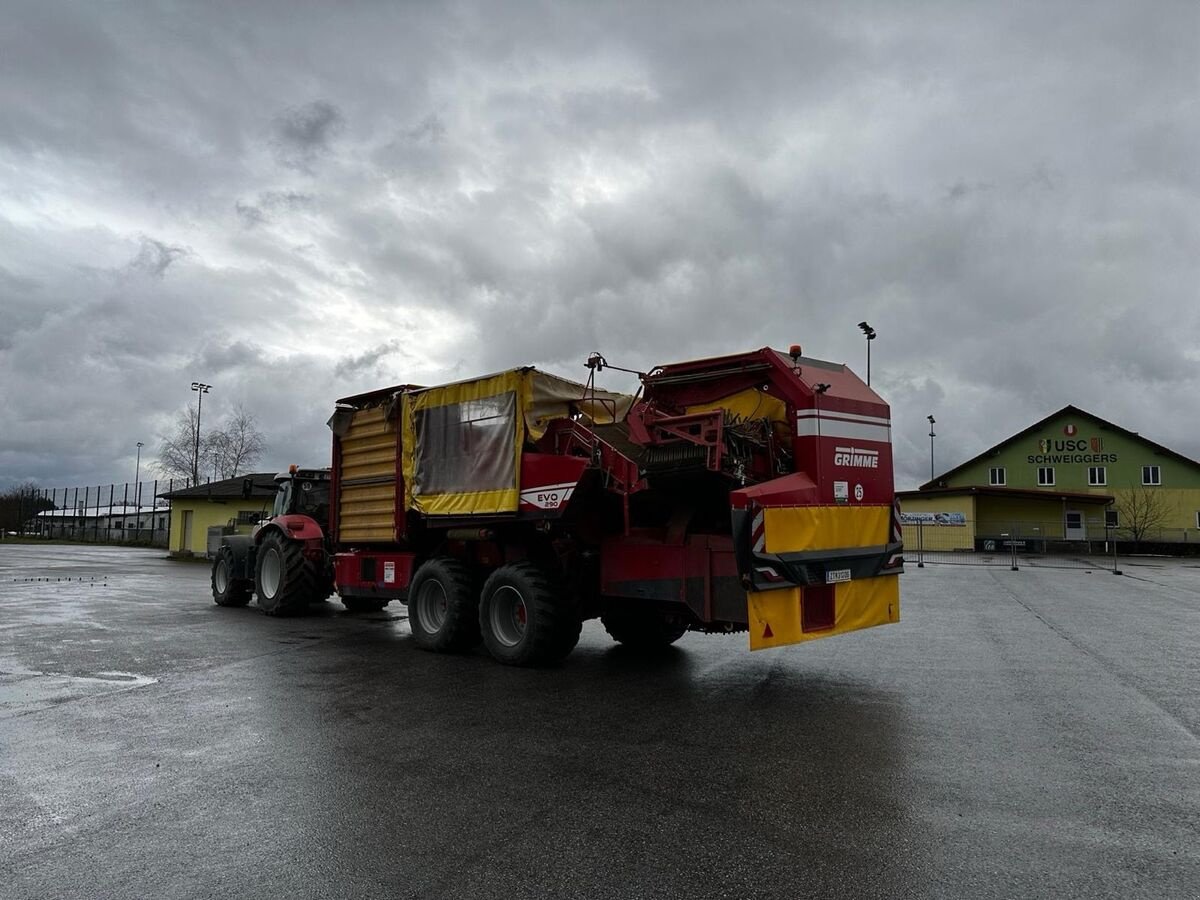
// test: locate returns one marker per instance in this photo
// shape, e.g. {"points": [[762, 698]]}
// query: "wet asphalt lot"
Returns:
{"points": [[1018, 734]]}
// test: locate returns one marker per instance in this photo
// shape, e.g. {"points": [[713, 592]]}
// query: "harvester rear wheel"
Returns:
{"points": [[443, 611], [526, 620], [641, 626], [227, 590], [284, 580]]}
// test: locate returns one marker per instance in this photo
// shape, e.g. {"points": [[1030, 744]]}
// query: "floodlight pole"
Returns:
{"points": [[201, 389], [137, 473], [932, 420], [869, 333]]}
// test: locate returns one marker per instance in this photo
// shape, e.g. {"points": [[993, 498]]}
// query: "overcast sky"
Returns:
{"points": [[294, 202]]}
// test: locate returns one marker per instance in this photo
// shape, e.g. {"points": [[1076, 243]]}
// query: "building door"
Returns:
{"points": [[1073, 529], [186, 544]]}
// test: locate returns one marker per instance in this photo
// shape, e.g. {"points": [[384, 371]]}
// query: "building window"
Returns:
{"points": [[1112, 518], [1151, 475], [996, 477], [1046, 476], [1097, 475]]}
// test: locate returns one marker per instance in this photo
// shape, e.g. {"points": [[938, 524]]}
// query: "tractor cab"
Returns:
{"points": [[303, 492]]}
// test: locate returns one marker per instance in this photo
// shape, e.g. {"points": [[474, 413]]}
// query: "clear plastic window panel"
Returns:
{"points": [[467, 447]]}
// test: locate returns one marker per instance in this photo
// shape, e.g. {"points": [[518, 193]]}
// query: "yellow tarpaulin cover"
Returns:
{"points": [[462, 442], [775, 616], [790, 528], [745, 405]]}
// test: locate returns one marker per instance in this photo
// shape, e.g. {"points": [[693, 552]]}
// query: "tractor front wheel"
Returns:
{"points": [[227, 590], [285, 581], [525, 618]]}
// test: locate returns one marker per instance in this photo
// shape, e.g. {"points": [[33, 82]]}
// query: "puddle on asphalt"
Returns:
{"points": [[24, 690]]}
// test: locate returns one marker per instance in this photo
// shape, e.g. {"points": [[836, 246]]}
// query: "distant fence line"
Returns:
{"points": [[1016, 544], [128, 513]]}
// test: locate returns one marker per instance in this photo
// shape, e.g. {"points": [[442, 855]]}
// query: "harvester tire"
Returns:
{"points": [[641, 627], [284, 580], [364, 604], [443, 610], [227, 590], [525, 618]]}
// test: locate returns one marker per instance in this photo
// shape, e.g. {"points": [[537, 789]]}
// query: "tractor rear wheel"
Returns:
{"points": [[284, 580], [641, 626], [227, 590], [525, 618], [443, 611], [364, 604]]}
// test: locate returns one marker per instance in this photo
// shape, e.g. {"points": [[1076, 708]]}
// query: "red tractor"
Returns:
{"points": [[285, 561]]}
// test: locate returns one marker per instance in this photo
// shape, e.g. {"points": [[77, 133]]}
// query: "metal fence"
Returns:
{"points": [[109, 514], [1015, 545]]}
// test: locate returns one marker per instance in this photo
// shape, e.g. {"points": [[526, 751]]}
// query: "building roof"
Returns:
{"points": [[1015, 493], [1066, 410], [228, 488]]}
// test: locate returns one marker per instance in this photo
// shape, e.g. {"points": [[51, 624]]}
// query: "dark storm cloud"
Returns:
{"points": [[155, 257], [368, 362], [295, 203], [304, 133]]}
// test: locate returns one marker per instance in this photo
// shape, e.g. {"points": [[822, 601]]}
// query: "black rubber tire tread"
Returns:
{"points": [[460, 630], [641, 627], [552, 624], [298, 578], [323, 588], [364, 604], [237, 591]]}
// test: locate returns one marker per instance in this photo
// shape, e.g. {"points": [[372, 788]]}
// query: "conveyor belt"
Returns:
{"points": [[616, 436]]}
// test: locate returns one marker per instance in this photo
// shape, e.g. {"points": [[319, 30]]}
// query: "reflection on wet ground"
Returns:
{"points": [[1017, 734]]}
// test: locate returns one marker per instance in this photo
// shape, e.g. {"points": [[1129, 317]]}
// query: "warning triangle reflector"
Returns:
{"points": [[767, 632]]}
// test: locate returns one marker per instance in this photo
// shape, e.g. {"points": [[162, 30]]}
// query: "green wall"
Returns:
{"points": [[1090, 443]]}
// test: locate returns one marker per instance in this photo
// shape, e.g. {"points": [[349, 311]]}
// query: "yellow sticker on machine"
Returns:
{"points": [[777, 617], [791, 528]]}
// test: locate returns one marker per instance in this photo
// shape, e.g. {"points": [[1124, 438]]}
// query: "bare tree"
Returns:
{"points": [[238, 444], [177, 451], [226, 449], [19, 504], [1142, 509]]}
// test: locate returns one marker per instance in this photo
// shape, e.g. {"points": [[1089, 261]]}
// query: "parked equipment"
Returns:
{"points": [[285, 561], [750, 492]]}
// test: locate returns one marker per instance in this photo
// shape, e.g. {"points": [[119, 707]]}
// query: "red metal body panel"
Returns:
{"points": [[790, 490], [701, 571], [296, 527], [380, 573], [548, 481]]}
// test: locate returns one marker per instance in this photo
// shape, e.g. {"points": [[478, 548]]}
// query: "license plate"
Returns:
{"points": [[833, 576]]}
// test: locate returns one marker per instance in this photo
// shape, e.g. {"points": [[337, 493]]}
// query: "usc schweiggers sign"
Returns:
{"points": [[1070, 449]]}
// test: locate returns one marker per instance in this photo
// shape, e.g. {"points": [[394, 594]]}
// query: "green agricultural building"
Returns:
{"points": [[1072, 476]]}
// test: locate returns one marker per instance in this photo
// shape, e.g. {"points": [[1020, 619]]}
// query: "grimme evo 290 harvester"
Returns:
{"points": [[750, 492]]}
